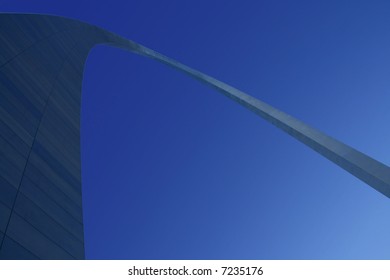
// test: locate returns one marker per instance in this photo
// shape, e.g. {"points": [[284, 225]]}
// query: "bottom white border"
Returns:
{"points": [[270, 269]]}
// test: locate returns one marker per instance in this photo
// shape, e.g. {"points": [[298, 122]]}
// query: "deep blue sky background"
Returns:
{"points": [[174, 170]]}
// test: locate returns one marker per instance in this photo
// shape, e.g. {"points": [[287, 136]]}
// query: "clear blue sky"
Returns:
{"points": [[173, 170]]}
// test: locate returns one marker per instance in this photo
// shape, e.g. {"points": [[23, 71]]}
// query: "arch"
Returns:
{"points": [[41, 67]]}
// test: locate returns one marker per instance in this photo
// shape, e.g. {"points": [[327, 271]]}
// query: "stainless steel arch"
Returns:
{"points": [[41, 68]]}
